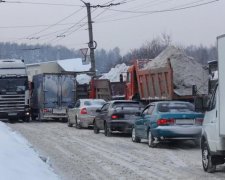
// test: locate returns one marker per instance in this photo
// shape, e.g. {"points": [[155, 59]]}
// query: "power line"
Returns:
{"points": [[39, 3], [165, 10], [34, 34], [145, 13]]}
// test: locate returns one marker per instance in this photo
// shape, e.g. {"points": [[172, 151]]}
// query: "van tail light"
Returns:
{"points": [[199, 121], [83, 111], [165, 122]]}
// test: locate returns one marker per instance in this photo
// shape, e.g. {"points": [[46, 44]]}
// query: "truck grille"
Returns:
{"points": [[12, 103]]}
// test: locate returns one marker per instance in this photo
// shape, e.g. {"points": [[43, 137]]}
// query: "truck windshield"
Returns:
{"points": [[12, 84]]}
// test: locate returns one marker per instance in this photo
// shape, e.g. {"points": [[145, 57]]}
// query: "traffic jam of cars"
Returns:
{"points": [[157, 122]]}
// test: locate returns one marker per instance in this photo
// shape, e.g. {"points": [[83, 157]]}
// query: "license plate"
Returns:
{"points": [[59, 111], [12, 114], [185, 121]]}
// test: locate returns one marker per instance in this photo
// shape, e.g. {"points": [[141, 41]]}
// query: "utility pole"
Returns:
{"points": [[92, 44]]}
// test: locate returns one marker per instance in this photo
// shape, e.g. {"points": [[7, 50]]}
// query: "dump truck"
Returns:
{"points": [[104, 89], [213, 131], [158, 79], [51, 95], [14, 91]]}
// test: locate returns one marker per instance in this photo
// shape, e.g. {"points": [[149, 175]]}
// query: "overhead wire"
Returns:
{"points": [[145, 13]]}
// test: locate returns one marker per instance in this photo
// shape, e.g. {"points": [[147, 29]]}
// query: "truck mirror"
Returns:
{"points": [[201, 103], [121, 78]]}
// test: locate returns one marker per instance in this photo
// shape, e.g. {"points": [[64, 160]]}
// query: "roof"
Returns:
{"points": [[71, 65], [74, 65]]}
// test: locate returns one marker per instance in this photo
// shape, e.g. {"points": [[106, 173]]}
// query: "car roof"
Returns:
{"points": [[159, 102], [91, 99]]}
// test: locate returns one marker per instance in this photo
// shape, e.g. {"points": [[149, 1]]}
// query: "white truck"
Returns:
{"points": [[213, 133], [14, 91]]}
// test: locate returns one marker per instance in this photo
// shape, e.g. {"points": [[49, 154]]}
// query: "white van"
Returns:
{"points": [[213, 134]]}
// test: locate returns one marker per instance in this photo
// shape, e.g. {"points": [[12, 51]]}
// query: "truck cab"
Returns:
{"points": [[213, 133]]}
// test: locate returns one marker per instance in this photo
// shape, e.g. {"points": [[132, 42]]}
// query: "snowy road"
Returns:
{"points": [[81, 154]]}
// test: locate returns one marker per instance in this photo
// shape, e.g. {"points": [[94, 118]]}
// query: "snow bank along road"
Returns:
{"points": [[81, 154]]}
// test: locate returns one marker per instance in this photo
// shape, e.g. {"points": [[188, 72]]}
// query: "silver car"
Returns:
{"points": [[84, 112]]}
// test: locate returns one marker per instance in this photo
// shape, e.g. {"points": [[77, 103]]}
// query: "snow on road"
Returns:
{"points": [[18, 160], [81, 154]]}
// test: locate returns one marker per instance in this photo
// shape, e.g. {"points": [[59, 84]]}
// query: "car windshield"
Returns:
{"points": [[175, 107], [94, 103]]}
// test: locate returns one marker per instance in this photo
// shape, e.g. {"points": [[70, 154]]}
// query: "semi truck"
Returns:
{"points": [[51, 95], [213, 131], [14, 91], [159, 81]]}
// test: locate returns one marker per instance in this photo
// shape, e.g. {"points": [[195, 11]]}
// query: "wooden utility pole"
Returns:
{"points": [[92, 44]]}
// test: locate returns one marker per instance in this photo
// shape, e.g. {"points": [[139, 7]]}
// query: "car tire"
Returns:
{"points": [[207, 162], [96, 130], [107, 131], [151, 139], [69, 124], [78, 126], [134, 137]]}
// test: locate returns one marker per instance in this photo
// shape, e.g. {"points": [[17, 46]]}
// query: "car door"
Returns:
{"points": [[74, 111], [147, 120], [139, 123], [102, 116]]}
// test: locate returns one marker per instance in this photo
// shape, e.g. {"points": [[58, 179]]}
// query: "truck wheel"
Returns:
{"points": [[134, 137], [107, 131], [26, 119], [151, 139], [207, 163], [96, 130]]}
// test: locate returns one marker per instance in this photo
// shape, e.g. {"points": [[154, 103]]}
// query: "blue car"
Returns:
{"points": [[168, 120]]}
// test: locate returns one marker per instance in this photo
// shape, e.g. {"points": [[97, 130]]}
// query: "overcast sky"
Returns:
{"points": [[127, 26]]}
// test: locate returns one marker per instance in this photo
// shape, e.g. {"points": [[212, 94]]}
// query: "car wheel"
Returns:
{"points": [[77, 125], [96, 130], [151, 139], [69, 124], [134, 137], [207, 163], [107, 131]]}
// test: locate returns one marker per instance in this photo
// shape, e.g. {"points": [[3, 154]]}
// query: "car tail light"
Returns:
{"points": [[83, 111], [46, 110], [164, 122], [199, 121], [114, 117]]}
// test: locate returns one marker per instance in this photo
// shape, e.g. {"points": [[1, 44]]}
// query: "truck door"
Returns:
{"points": [[51, 91], [67, 85]]}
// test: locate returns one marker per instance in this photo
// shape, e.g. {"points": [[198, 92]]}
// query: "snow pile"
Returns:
{"points": [[114, 74], [186, 71], [83, 79], [18, 160], [74, 65]]}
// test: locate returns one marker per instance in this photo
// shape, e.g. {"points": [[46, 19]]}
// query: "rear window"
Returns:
{"points": [[126, 105], [94, 103], [175, 107]]}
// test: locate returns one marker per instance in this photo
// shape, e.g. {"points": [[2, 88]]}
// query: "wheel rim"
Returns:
{"points": [[133, 134], [205, 157]]}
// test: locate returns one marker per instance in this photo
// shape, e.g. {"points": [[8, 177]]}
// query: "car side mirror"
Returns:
{"points": [[70, 106], [98, 110]]}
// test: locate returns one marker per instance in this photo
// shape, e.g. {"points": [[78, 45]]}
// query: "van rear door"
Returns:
{"points": [[221, 65]]}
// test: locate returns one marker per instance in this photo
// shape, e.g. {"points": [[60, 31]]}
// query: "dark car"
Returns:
{"points": [[117, 115], [168, 120]]}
